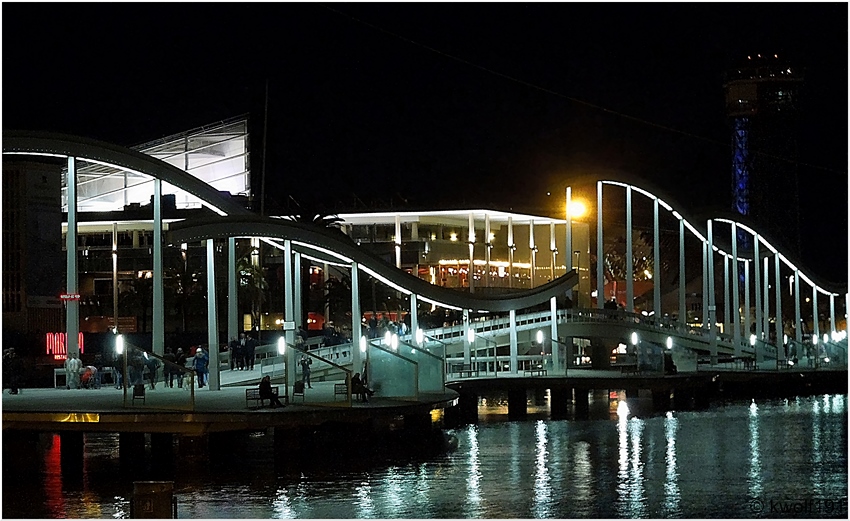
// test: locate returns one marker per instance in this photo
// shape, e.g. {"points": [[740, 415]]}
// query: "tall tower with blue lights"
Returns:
{"points": [[762, 104]]}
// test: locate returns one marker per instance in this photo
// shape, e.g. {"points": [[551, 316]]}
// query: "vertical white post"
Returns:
{"points": [[568, 246], [747, 300], [513, 339], [397, 241], [288, 298], [832, 314], [72, 317], [757, 288], [553, 330], [414, 316], [511, 248], [656, 262], [683, 312], [780, 346], [158, 329], [705, 297], [553, 249], [115, 313], [532, 250], [212, 320], [630, 268], [466, 347], [798, 320], [816, 316], [488, 243], [736, 289], [600, 265], [298, 301], [470, 274], [356, 318], [727, 306], [232, 291], [712, 298], [766, 300]]}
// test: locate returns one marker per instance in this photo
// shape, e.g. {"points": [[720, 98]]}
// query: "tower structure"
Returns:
{"points": [[762, 103]]}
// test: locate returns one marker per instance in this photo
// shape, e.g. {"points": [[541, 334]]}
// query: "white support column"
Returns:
{"points": [[532, 250], [466, 343], [158, 329], [568, 244], [712, 298], [397, 241], [325, 273], [511, 248], [766, 300], [72, 316], [780, 347], [705, 298], [736, 290], [683, 312], [630, 268], [299, 291], [414, 317], [815, 314], [212, 320], [115, 313], [288, 296], [757, 288], [600, 265], [798, 320], [514, 348], [356, 317], [553, 331], [488, 243], [727, 305], [232, 291], [553, 249], [656, 262], [470, 274], [747, 300], [832, 314]]}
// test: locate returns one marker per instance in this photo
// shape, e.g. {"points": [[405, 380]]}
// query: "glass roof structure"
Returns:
{"points": [[215, 154]]}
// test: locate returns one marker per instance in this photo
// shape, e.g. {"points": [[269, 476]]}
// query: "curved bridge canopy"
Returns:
{"points": [[331, 242], [107, 154]]}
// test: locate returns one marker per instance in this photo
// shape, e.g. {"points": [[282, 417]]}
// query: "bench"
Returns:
{"points": [[535, 372], [340, 389], [254, 394]]}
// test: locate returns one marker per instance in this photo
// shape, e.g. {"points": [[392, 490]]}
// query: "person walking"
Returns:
{"points": [[232, 346], [152, 363], [200, 365], [306, 362], [180, 361]]}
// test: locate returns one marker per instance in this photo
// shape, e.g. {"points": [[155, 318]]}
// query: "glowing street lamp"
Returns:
{"points": [[388, 338], [119, 344], [281, 346], [634, 338], [577, 209], [420, 336], [752, 340], [539, 336], [669, 342], [394, 342], [362, 344]]}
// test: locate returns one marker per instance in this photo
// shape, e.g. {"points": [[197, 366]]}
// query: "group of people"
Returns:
{"points": [[141, 364], [242, 352], [378, 328]]}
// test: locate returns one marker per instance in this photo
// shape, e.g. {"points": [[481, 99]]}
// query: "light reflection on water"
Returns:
{"points": [[683, 464]]}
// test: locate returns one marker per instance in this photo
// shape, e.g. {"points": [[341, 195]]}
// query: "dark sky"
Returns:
{"points": [[441, 104]]}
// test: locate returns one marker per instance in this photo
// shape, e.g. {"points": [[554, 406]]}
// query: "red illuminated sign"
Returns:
{"points": [[56, 345]]}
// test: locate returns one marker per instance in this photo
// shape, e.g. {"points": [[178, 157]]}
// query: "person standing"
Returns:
{"points": [[180, 361], [241, 349], [200, 365], [232, 346], [152, 364], [72, 371], [306, 362], [250, 346], [169, 369]]}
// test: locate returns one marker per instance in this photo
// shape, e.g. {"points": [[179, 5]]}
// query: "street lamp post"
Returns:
{"points": [[635, 340]]}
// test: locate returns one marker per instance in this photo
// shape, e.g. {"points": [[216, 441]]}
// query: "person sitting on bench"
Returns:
{"points": [[359, 388], [266, 392]]}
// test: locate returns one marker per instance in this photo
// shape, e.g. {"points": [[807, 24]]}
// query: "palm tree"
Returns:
{"points": [[252, 284]]}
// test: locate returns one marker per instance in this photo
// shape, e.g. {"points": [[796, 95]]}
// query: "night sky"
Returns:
{"points": [[443, 105]]}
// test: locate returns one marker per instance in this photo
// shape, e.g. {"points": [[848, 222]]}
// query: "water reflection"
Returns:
{"points": [[671, 482], [282, 505], [542, 487], [754, 475], [473, 490]]}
